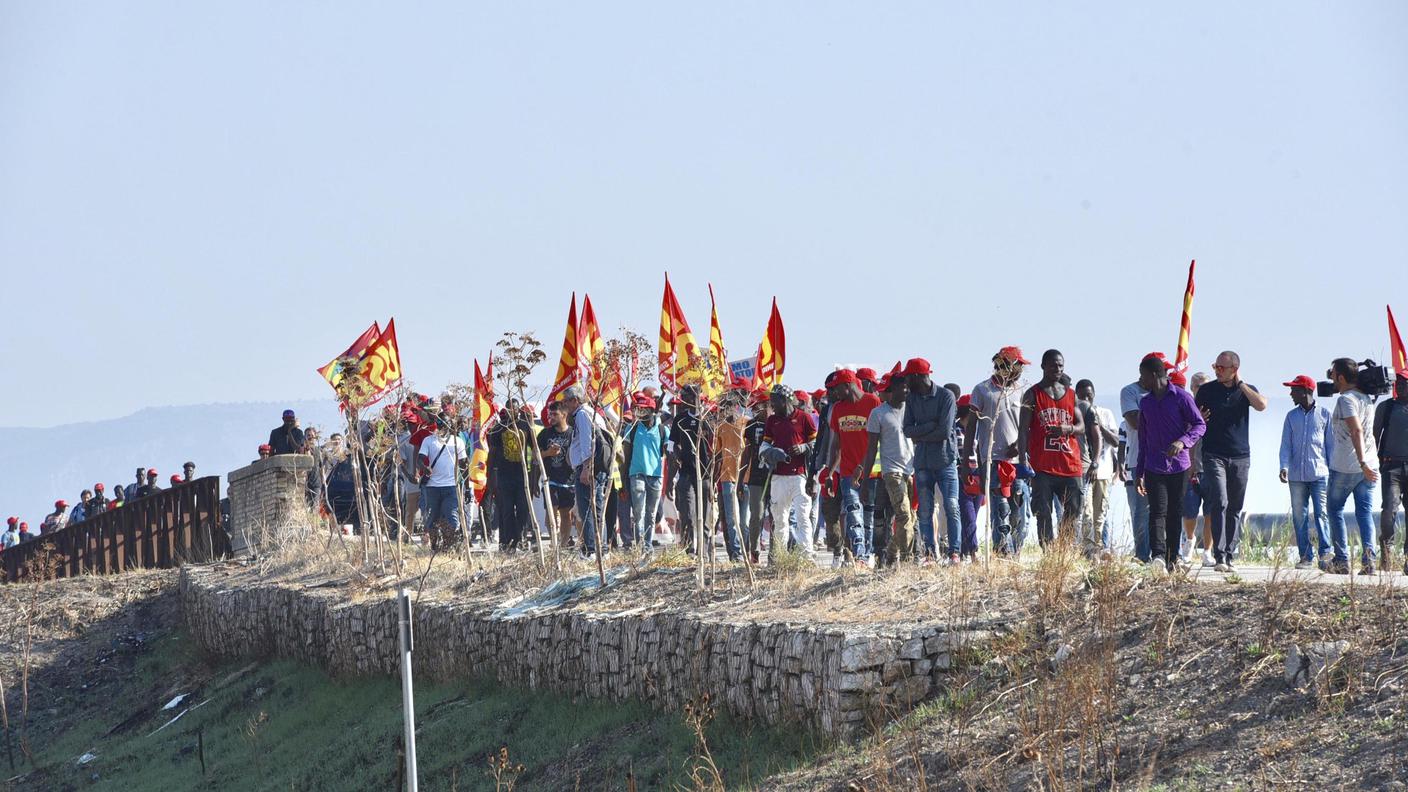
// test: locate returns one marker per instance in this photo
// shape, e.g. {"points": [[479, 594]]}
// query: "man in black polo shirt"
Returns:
{"points": [[1226, 405]]}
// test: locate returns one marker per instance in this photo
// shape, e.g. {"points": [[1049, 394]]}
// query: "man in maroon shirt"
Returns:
{"points": [[788, 436]]}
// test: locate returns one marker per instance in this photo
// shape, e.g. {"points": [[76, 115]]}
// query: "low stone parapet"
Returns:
{"points": [[833, 679], [267, 496]]}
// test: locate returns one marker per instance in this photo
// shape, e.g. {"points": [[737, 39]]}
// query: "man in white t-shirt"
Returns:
{"points": [[1354, 468], [1102, 469], [887, 441], [440, 455]]}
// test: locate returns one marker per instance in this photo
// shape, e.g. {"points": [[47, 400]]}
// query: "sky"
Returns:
{"points": [[204, 202]]}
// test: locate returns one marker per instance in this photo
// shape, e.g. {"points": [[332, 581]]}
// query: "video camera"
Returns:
{"points": [[1372, 379]]}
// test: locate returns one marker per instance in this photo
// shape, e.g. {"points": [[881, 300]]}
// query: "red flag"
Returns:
{"points": [[569, 364], [720, 377], [772, 352], [483, 414], [381, 364], [1395, 343], [677, 348], [1180, 358], [605, 386]]}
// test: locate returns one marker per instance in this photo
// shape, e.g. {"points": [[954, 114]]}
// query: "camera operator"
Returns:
{"points": [[1391, 436], [1353, 466]]}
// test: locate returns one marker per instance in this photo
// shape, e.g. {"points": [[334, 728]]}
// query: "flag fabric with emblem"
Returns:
{"points": [[568, 364], [677, 347], [772, 352], [483, 414], [1185, 325], [719, 371], [603, 376], [332, 372]]}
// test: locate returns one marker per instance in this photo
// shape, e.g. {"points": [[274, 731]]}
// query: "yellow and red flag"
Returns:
{"points": [[483, 414], [1185, 325], [719, 374], [381, 364], [677, 347], [604, 386], [772, 352], [569, 364], [332, 372], [1396, 350]]}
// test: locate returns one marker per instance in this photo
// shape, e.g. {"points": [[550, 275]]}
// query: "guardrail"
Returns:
{"points": [[159, 531]]}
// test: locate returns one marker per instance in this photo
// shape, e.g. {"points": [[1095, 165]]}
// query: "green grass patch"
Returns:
{"points": [[283, 725]]}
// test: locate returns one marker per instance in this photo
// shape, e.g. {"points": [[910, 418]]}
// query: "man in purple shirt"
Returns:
{"points": [[1169, 425]]}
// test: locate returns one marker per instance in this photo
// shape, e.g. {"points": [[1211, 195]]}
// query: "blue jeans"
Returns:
{"points": [[442, 502], [1138, 520], [853, 515], [1304, 495], [1009, 513], [1341, 487], [946, 479], [645, 496], [728, 498], [591, 502]]}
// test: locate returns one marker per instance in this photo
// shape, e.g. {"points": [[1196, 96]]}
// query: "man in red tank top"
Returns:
{"points": [[1047, 432]]}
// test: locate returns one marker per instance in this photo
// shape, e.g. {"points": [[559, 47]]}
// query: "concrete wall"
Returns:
{"points": [[831, 679], [266, 495]]}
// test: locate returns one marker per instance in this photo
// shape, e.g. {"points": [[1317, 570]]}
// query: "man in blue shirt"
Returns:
{"points": [[592, 477], [1305, 444]]}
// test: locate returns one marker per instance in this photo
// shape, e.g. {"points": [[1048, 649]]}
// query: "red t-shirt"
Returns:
{"points": [[848, 422], [787, 432]]}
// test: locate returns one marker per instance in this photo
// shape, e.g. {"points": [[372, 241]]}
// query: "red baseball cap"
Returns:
{"points": [[803, 396], [845, 377], [151, 471], [641, 400], [12, 521], [818, 394], [60, 504], [265, 447], [917, 366], [759, 396], [175, 478], [98, 487], [966, 400], [1301, 381], [1014, 354], [866, 375]]}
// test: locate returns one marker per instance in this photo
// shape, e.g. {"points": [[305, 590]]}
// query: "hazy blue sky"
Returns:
{"points": [[203, 202]]}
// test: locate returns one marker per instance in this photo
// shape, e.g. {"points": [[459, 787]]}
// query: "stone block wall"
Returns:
{"points": [[265, 496], [834, 680]]}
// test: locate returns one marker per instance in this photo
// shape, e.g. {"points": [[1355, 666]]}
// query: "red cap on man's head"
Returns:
{"points": [[965, 400], [176, 478], [151, 471], [759, 396], [917, 366], [866, 375], [818, 394], [60, 504], [98, 487], [803, 397], [1301, 381], [265, 447], [1178, 378], [1014, 354], [641, 400], [845, 377], [12, 521]]}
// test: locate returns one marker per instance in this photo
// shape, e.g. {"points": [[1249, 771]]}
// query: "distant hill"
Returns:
{"points": [[39, 466]]}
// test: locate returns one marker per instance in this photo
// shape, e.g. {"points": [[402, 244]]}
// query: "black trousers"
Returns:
{"points": [[1165, 514], [512, 506], [1047, 490]]}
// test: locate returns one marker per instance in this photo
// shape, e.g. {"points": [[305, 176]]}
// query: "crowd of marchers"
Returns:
{"points": [[883, 469]]}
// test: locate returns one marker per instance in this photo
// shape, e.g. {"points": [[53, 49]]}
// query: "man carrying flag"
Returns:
{"points": [[1391, 437]]}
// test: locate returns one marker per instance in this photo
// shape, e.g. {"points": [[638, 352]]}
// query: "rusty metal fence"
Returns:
{"points": [[163, 530]]}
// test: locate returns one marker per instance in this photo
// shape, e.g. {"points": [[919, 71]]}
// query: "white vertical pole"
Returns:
{"points": [[403, 608]]}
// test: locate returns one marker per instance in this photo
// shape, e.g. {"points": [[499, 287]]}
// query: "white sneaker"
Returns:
{"points": [[1208, 560], [1221, 567], [836, 562]]}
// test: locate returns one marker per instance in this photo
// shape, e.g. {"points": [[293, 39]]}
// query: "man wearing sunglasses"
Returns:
{"points": [[1226, 404]]}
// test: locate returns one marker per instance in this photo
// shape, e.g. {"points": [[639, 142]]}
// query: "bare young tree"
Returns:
{"points": [[519, 355]]}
